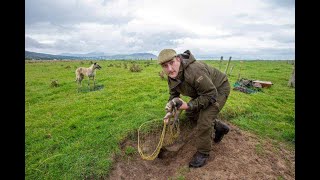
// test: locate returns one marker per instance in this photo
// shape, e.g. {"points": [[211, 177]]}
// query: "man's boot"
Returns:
{"points": [[198, 160], [221, 130]]}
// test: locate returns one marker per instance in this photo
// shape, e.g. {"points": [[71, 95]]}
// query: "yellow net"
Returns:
{"points": [[154, 134]]}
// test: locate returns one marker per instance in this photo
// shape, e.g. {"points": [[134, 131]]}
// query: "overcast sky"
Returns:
{"points": [[243, 29]]}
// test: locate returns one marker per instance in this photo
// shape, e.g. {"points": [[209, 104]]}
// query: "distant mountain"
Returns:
{"points": [[92, 54], [133, 56], [89, 56], [43, 56]]}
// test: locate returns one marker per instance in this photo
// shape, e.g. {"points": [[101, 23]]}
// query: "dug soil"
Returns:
{"points": [[240, 155]]}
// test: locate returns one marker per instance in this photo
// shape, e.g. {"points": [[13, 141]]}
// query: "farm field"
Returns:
{"points": [[89, 134]]}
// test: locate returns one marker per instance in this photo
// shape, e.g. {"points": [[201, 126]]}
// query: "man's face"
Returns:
{"points": [[171, 68]]}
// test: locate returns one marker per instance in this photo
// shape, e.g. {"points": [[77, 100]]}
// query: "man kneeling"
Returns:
{"points": [[208, 88]]}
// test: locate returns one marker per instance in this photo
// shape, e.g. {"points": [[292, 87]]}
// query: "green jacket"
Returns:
{"points": [[196, 80]]}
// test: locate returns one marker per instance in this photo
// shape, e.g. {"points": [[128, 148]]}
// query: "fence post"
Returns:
{"points": [[292, 79], [221, 58], [227, 65], [231, 70], [240, 70]]}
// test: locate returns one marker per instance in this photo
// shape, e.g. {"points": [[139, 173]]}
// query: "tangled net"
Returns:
{"points": [[154, 134]]}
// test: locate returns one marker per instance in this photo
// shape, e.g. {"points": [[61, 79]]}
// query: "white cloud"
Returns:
{"points": [[123, 26]]}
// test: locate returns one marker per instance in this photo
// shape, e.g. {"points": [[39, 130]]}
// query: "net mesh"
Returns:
{"points": [[154, 134]]}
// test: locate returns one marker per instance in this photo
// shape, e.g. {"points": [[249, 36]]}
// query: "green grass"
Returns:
{"points": [[130, 150], [270, 112], [75, 135]]}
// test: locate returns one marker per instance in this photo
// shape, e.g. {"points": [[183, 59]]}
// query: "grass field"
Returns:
{"points": [[75, 135]]}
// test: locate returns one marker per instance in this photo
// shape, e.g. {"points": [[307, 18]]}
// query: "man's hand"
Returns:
{"points": [[169, 106], [174, 104], [167, 117], [180, 104], [177, 102], [166, 120]]}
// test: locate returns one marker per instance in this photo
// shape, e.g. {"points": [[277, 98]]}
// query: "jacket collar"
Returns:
{"points": [[187, 58]]}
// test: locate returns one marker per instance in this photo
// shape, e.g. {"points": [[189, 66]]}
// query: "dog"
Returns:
{"points": [[89, 72]]}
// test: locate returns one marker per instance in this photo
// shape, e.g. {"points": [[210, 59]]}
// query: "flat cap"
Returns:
{"points": [[166, 55]]}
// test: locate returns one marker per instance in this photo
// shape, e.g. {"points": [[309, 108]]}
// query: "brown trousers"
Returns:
{"points": [[206, 118]]}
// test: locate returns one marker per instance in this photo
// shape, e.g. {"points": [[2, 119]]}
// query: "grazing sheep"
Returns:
{"points": [[89, 72]]}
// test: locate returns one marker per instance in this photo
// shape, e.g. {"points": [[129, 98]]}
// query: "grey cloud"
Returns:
{"points": [[280, 33], [61, 16], [32, 43], [70, 45], [264, 27], [60, 13], [60, 45], [250, 54], [275, 32], [281, 3], [275, 53], [155, 41], [233, 34], [283, 38], [264, 53]]}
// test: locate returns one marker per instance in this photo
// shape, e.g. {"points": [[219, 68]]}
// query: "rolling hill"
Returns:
{"points": [[90, 56]]}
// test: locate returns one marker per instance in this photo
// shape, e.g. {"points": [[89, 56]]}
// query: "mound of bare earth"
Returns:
{"points": [[240, 155]]}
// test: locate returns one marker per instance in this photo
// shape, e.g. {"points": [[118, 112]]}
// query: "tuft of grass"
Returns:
{"points": [[129, 150], [135, 68], [179, 177], [280, 178]]}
